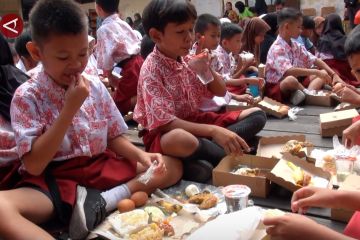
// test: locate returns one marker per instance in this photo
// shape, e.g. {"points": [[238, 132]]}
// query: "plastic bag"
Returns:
{"points": [[146, 177], [292, 113]]}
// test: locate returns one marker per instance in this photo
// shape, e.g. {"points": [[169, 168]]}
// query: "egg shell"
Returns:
{"points": [[139, 198], [125, 205]]}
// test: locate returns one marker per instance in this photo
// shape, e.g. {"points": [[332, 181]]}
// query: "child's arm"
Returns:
{"points": [[242, 81], [217, 86], [230, 141], [298, 72], [351, 134], [320, 197], [322, 65], [349, 94], [45, 146], [294, 226], [123, 147]]}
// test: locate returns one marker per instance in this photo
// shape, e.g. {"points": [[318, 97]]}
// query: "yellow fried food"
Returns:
{"points": [[170, 207], [205, 200], [151, 232]]}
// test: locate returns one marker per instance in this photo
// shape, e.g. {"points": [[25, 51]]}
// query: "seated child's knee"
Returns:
{"points": [[180, 137]]}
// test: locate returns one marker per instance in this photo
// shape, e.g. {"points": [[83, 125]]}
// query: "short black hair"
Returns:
{"points": [[240, 6], [229, 30], [109, 6], [20, 43], [56, 17], [288, 15], [279, 2], [352, 44], [203, 21], [147, 46], [158, 13], [308, 22]]}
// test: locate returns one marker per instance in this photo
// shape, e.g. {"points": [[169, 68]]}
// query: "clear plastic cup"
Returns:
{"points": [[343, 169], [236, 197]]}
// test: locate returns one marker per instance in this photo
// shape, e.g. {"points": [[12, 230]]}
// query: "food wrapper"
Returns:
{"points": [[292, 113], [146, 177]]}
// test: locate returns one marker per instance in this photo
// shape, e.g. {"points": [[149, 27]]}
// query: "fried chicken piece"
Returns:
{"points": [[206, 200]]}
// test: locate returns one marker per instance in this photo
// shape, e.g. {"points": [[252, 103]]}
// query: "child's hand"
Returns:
{"points": [[291, 226], [336, 79], [244, 98], [147, 158], [77, 92], [348, 95], [230, 141], [351, 134], [324, 76], [307, 197], [200, 46]]}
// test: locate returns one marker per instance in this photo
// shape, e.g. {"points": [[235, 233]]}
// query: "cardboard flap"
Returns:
{"points": [[337, 119], [271, 147], [283, 175], [327, 100], [272, 107]]}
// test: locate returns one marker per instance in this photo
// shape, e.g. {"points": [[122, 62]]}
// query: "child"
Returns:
{"points": [[226, 53], [296, 226], [288, 63], [169, 95], [25, 63], [69, 136], [244, 11], [279, 5], [230, 13], [10, 78], [308, 27], [319, 26], [118, 44], [207, 33], [253, 36], [270, 36]]}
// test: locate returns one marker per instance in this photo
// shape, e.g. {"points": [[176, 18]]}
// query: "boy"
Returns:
{"points": [[227, 54], [308, 27], [69, 133], [288, 63], [25, 63], [118, 44], [169, 95], [279, 5], [207, 33]]}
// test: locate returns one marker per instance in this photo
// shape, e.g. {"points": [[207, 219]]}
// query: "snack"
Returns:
{"points": [[294, 147], [151, 232], [167, 228], [205, 200], [139, 198], [329, 164], [129, 222], [170, 207], [125, 205], [301, 178], [249, 172], [246, 57], [191, 190], [155, 214]]}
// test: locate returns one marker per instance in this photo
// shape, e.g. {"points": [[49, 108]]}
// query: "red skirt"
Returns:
{"points": [[102, 172], [272, 90], [9, 174], [152, 139], [127, 87], [353, 227], [343, 69]]}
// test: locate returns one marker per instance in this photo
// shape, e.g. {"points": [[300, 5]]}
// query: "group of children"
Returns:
{"points": [[65, 157]]}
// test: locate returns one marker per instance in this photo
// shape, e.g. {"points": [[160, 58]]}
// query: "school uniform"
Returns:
{"points": [[168, 89], [216, 103], [353, 227], [9, 160], [228, 69], [282, 57], [118, 44], [82, 157]]}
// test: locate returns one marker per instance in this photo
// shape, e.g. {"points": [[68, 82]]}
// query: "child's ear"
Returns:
{"points": [[198, 36], [155, 35], [224, 43], [34, 51]]}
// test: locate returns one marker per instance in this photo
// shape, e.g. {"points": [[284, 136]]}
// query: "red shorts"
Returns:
{"points": [[353, 227], [9, 174], [127, 87], [152, 139], [272, 90], [355, 120], [102, 172]]}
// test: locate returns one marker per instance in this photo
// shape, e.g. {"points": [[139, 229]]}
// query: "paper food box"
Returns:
{"points": [[334, 123], [351, 183], [274, 147], [321, 98], [345, 106], [236, 105], [274, 108], [233, 170], [292, 173]]}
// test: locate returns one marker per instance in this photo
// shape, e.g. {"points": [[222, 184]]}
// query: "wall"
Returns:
{"points": [[10, 6], [318, 4]]}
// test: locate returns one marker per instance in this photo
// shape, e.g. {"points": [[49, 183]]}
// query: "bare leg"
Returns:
{"points": [[289, 85], [20, 210], [316, 84], [247, 112], [179, 143]]}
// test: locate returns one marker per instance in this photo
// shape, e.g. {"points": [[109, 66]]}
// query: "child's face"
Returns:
{"points": [[259, 38], [228, 6], [307, 32], [63, 56], [212, 37], [294, 28], [354, 61], [233, 44], [176, 40], [319, 29]]}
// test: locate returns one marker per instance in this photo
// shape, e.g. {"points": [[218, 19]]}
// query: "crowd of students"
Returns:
{"points": [[63, 155]]}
